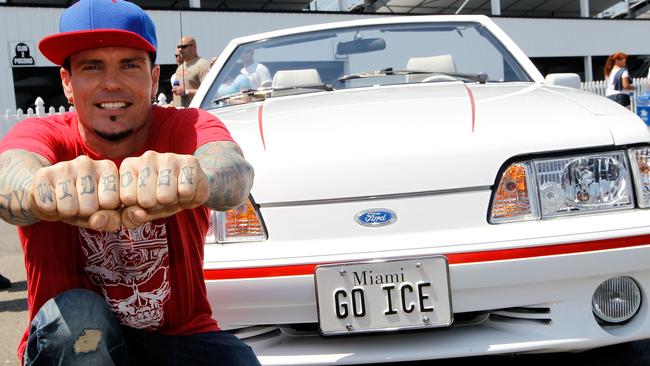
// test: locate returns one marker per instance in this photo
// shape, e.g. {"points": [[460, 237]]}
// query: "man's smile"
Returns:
{"points": [[112, 105]]}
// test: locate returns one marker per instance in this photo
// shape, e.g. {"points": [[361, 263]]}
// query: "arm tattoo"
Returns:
{"points": [[17, 168], [230, 176]]}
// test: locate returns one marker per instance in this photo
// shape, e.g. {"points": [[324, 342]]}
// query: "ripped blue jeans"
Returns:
{"points": [[77, 328]]}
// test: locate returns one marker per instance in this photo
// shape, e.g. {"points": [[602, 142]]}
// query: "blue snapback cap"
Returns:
{"points": [[90, 24]]}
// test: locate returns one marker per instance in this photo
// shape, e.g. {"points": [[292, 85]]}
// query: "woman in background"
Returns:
{"points": [[618, 79]]}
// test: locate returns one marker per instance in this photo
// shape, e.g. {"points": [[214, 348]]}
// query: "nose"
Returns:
{"points": [[111, 79]]}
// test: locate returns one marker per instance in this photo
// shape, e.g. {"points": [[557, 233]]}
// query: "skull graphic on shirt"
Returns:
{"points": [[131, 268]]}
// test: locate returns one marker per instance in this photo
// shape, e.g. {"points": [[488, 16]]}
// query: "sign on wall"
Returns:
{"points": [[21, 54]]}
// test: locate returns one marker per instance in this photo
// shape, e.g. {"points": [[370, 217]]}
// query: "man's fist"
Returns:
{"points": [[158, 185], [94, 194]]}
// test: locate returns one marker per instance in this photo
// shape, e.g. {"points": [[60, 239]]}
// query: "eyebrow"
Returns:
{"points": [[93, 61], [133, 59]]}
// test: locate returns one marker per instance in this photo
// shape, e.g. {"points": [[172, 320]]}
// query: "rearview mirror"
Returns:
{"points": [[360, 46]]}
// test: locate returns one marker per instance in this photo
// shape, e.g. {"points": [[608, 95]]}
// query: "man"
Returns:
{"points": [[189, 73], [173, 80], [257, 74], [112, 204]]}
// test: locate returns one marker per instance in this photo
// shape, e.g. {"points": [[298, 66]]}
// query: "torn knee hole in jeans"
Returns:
{"points": [[88, 341]]}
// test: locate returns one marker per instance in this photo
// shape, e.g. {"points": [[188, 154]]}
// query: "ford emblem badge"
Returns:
{"points": [[376, 217]]}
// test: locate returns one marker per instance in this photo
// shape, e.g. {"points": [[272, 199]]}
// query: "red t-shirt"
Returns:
{"points": [[151, 277]]}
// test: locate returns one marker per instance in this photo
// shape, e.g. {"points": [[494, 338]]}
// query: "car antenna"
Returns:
{"points": [[180, 18]]}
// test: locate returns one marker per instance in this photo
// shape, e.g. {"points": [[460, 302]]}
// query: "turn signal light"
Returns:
{"points": [[512, 201], [241, 224]]}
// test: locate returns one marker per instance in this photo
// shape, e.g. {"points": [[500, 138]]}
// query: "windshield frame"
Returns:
{"points": [[513, 63]]}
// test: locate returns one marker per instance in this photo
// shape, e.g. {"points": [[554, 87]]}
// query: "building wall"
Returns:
{"points": [[213, 30]]}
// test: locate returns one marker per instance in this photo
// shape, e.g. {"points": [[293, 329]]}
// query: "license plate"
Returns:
{"points": [[383, 295]]}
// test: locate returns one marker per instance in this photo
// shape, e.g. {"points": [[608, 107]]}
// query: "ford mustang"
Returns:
{"points": [[423, 192]]}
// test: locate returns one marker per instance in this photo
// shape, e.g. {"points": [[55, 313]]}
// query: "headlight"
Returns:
{"points": [[241, 224], [583, 183], [565, 186]]}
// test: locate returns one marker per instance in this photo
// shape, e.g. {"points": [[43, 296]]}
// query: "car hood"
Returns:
{"points": [[414, 138]]}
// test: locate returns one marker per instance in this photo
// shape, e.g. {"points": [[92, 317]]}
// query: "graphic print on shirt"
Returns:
{"points": [[131, 267]]}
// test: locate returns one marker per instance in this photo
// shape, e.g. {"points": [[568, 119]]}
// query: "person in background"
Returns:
{"points": [[189, 73], [258, 75], [112, 203], [618, 79], [178, 58]]}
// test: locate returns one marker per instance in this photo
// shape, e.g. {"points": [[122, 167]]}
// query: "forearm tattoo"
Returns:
{"points": [[17, 168], [230, 176]]}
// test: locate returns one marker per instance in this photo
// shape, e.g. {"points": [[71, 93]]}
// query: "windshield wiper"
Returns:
{"points": [[480, 78], [264, 92]]}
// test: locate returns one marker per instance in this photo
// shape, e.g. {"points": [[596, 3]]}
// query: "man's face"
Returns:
{"points": [[187, 48], [111, 89], [247, 57]]}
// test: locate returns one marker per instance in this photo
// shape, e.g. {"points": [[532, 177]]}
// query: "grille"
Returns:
{"points": [[528, 314]]}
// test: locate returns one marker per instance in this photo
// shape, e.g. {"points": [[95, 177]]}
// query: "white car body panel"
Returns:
{"points": [[431, 152]]}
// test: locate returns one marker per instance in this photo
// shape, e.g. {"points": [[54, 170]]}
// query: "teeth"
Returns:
{"points": [[112, 105]]}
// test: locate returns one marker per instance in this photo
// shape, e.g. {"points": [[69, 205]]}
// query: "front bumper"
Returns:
{"points": [[530, 291]]}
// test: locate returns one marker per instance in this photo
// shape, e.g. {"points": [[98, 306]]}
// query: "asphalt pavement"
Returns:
{"points": [[13, 321], [13, 302]]}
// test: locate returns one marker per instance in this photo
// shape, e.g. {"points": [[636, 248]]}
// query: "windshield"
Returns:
{"points": [[362, 56]]}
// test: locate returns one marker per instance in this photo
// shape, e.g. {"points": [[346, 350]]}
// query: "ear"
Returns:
{"points": [[155, 78], [66, 82]]}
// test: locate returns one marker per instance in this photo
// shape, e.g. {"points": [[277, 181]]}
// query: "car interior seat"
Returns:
{"points": [[441, 63], [290, 78], [294, 78]]}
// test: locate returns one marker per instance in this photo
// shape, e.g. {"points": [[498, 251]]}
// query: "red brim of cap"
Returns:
{"points": [[58, 47]]}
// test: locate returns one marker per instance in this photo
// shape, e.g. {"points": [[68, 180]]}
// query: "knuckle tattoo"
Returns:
{"points": [[165, 177], [144, 174], [109, 183], [87, 185], [126, 179], [65, 189], [187, 175], [45, 193]]}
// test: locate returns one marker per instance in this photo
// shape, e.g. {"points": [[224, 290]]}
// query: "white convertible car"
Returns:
{"points": [[422, 192]]}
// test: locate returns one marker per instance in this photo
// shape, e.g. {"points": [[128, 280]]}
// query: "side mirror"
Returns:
{"points": [[569, 80], [360, 46]]}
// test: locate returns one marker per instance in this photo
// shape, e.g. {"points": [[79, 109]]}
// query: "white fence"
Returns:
{"points": [[599, 87], [10, 117]]}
